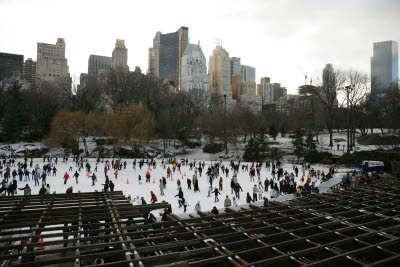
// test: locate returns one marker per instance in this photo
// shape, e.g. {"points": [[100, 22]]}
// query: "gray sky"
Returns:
{"points": [[273, 36]]}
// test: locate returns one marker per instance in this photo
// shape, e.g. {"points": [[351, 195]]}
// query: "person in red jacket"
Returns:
{"points": [[168, 172], [220, 184], [66, 177], [153, 197], [363, 179], [164, 217]]}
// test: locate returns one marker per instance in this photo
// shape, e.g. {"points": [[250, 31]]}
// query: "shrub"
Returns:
{"points": [[213, 148], [192, 145], [318, 157]]}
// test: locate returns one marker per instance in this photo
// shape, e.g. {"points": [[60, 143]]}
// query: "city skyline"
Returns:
{"points": [[275, 38]]}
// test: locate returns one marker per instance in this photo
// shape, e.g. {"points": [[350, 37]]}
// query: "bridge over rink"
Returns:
{"points": [[360, 227]]}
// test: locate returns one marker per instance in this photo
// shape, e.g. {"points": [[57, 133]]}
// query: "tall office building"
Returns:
{"points": [[10, 64], [98, 64], [219, 72], [194, 69], [329, 78], [51, 64], [156, 53], [235, 86], [248, 96], [265, 80], [276, 87], [265, 90], [151, 70], [384, 66], [29, 71], [183, 42], [120, 55], [284, 93], [165, 57], [248, 73], [235, 65]]}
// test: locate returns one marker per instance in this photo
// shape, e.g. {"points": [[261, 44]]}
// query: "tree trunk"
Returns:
{"points": [[330, 128], [85, 146]]}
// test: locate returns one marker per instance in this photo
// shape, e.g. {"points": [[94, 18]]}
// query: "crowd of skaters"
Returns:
{"points": [[216, 175]]}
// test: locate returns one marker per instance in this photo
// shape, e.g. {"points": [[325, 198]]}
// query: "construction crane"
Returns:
{"points": [[305, 75]]}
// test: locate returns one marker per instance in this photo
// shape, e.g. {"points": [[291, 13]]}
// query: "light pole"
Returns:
{"points": [[225, 141], [348, 89]]}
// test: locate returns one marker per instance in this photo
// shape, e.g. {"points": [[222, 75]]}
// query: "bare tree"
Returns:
{"points": [[354, 95], [326, 92]]}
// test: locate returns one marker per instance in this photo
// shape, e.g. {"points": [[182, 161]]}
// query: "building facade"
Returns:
{"points": [[183, 42], [120, 56], [151, 70], [277, 94], [194, 69], [248, 73], [51, 64], [235, 85], [248, 96], [235, 65], [29, 71], [10, 64], [165, 57], [384, 66], [168, 68], [329, 78], [266, 91], [98, 64], [219, 72]]}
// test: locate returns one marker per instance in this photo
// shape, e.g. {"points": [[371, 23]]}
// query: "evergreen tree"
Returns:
{"points": [[14, 120], [310, 143], [273, 131], [257, 148], [298, 142]]}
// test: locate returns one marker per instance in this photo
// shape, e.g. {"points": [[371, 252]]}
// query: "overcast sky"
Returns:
{"points": [[273, 36]]}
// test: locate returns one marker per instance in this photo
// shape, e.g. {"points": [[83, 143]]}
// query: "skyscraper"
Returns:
{"points": [[329, 78], [120, 55], [166, 54], [219, 71], [235, 86], [10, 64], [29, 71], [265, 90], [194, 69], [51, 64], [235, 65], [168, 68], [151, 70], [183, 42], [384, 66], [248, 73], [98, 64]]}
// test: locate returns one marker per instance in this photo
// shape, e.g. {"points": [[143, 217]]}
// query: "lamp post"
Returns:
{"points": [[225, 141], [348, 89]]}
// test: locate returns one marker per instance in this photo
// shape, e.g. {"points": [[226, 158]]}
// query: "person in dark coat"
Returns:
{"points": [[216, 192], [196, 185], [248, 198], [237, 189], [214, 211], [112, 186], [42, 190]]}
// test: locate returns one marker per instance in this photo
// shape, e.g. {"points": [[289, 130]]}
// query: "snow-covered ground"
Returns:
{"points": [[128, 182]]}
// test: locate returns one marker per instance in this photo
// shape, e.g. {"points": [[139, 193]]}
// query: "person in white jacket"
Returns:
{"points": [[234, 202], [260, 191]]}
